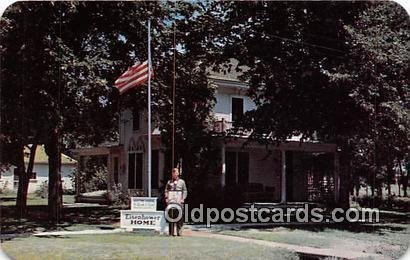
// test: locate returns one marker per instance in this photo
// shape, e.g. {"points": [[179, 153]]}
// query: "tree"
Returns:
{"points": [[194, 92], [74, 53], [311, 68], [376, 72], [45, 84]]}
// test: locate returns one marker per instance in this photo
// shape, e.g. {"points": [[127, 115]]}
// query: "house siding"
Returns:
{"points": [[223, 106], [41, 170]]}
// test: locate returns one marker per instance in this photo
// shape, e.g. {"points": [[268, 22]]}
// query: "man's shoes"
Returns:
{"points": [[179, 232]]}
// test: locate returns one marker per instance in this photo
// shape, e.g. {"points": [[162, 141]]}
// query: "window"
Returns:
{"points": [[135, 120], [154, 169], [237, 109], [135, 171], [237, 167]]}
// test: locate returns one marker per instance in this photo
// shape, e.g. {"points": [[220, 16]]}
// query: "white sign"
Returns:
{"points": [[175, 196], [131, 219], [143, 204]]}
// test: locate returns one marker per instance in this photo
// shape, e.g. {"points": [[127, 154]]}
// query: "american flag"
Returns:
{"points": [[133, 77]]}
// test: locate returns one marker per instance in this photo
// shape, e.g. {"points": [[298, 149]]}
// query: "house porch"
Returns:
{"points": [[290, 172]]}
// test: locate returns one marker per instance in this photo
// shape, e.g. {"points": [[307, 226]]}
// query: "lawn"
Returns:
{"points": [[72, 217], [32, 199], [390, 240], [136, 246]]}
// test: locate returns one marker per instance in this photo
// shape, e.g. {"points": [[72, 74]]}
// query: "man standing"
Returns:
{"points": [[176, 193]]}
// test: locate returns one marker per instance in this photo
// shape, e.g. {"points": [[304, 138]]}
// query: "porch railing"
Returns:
{"points": [[221, 126]]}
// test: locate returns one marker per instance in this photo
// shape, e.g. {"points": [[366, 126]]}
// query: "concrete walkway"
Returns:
{"points": [[80, 232], [302, 250]]}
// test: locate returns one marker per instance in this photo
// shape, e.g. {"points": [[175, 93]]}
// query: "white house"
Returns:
{"points": [[9, 180], [286, 174]]}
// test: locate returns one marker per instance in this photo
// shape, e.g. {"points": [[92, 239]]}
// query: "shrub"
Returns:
{"points": [[389, 203], [93, 177], [68, 191], [42, 192], [5, 190], [117, 197]]}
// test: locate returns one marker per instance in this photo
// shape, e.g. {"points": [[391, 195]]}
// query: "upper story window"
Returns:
{"points": [[135, 120], [237, 109]]}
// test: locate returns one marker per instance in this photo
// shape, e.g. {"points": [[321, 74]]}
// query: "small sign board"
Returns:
{"points": [[144, 204], [175, 196], [131, 219]]}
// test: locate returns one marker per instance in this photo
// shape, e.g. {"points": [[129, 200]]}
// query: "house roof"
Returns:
{"points": [[229, 75], [42, 158]]}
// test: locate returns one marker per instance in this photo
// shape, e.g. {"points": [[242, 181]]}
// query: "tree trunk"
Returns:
{"points": [[54, 176], [356, 185], [24, 179], [21, 203], [390, 175], [399, 178], [345, 173], [404, 180], [388, 183], [379, 187], [370, 181]]}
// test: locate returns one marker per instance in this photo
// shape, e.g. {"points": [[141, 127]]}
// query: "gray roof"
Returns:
{"points": [[226, 74]]}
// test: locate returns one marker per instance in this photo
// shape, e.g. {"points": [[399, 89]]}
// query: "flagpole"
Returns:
{"points": [[173, 107], [149, 108]]}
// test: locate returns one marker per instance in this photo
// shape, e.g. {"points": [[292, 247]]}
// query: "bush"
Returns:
{"points": [[68, 191], [93, 177], [117, 197], [389, 203], [42, 192], [5, 190]]}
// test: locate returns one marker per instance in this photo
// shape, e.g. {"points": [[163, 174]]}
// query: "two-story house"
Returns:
{"points": [[292, 171]]}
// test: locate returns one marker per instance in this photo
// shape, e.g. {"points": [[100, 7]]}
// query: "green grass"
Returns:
{"points": [[390, 240], [137, 246], [32, 199]]}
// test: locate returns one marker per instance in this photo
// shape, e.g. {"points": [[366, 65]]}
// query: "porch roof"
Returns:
{"points": [[288, 145], [95, 151]]}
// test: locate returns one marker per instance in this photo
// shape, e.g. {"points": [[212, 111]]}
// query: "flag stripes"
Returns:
{"points": [[133, 77]]}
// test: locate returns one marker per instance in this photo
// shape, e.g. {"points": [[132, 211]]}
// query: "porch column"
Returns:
{"points": [[110, 179], [337, 176], [223, 166], [283, 182]]}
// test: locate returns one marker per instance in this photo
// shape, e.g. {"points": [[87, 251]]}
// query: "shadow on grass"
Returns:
{"points": [[73, 218], [8, 198]]}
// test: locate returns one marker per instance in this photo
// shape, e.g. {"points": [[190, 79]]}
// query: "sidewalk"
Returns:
{"points": [[80, 232], [301, 250]]}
